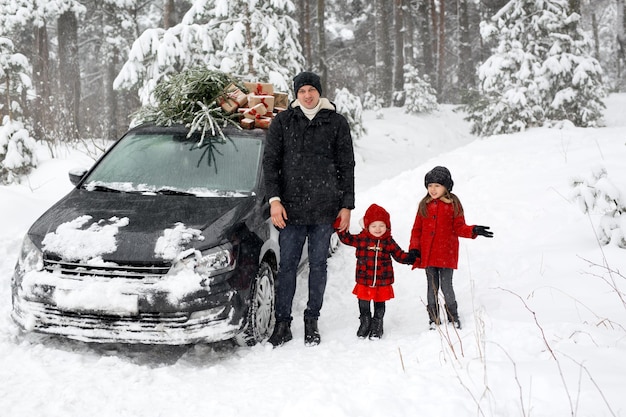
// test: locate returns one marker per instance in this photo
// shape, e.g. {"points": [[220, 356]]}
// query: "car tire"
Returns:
{"points": [[260, 318]]}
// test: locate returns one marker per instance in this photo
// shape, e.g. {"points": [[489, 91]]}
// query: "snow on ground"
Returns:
{"points": [[544, 321]]}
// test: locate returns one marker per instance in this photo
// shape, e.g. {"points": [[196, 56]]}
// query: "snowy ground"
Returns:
{"points": [[544, 326]]}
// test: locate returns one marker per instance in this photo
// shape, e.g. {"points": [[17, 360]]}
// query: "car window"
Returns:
{"points": [[155, 162]]}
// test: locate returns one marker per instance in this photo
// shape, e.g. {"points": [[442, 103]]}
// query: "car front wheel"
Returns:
{"points": [[260, 318]]}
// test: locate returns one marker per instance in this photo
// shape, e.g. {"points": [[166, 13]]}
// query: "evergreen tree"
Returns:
{"points": [[15, 81], [110, 27], [17, 147], [351, 108], [420, 96], [595, 193], [540, 70], [371, 102], [254, 40], [57, 72]]}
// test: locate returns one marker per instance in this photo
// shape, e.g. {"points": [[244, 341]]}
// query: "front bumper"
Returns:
{"points": [[169, 329], [54, 304]]}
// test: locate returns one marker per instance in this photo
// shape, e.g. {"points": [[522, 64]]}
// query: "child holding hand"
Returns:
{"points": [[374, 270], [438, 225]]}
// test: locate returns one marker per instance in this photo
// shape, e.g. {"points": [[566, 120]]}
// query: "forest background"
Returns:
{"points": [[79, 69]]}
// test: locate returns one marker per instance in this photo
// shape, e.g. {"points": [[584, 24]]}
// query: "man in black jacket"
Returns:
{"points": [[309, 177]]}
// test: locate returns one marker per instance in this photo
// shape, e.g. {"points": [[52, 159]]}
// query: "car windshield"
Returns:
{"points": [[173, 163]]}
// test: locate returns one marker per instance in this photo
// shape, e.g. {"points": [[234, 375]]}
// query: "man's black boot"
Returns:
{"points": [[281, 333], [311, 333]]}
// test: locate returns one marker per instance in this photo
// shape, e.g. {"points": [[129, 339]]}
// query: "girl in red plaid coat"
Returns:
{"points": [[374, 270]]}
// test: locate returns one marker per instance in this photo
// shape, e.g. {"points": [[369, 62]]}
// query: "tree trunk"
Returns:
{"points": [[69, 72], [384, 77], [407, 18], [110, 60], [304, 21], [169, 14], [250, 46], [398, 52], [321, 44], [427, 68], [596, 36], [110, 96], [41, 81], [434, 24], [441, 47], [466, 65], [621, 37]]}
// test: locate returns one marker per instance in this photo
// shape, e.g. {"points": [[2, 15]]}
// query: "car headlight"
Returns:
{"points": [[31, 257], [208, 262], [215, 261]]}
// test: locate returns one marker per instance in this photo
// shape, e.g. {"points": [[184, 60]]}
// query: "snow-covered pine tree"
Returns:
{"points": [[540, 70], [573, 76], [17, 151], [17, 147], [351, 108], [191, 98], [420, 96], [371, 102], [255, 40], [596, 193]]}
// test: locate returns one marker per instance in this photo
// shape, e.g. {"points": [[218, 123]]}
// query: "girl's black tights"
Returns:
{"points": [[379, 308]]}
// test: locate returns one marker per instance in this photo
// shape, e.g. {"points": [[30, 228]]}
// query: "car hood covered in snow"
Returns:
{"points": [[128, 228]]}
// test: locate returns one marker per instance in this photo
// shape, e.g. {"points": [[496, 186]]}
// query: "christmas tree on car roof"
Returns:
{"points": [[207, 100], [191, 98]]}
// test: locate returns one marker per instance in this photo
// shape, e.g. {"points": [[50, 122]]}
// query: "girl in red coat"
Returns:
{"points": [[438, 225], [374, 271]]}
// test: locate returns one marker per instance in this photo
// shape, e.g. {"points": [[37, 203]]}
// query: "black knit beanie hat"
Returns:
{"points": [[307, 78], [439, 175]]}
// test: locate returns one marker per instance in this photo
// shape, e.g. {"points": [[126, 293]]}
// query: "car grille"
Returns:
{"points": [[172, 328], [55, 316], [105, 271]]}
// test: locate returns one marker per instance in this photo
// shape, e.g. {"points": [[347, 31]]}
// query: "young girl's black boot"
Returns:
{"points": [[376, 330], [365, 318]]}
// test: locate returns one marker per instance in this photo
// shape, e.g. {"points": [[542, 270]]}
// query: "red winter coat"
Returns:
{"points": [[436, 236], [373, 264]]}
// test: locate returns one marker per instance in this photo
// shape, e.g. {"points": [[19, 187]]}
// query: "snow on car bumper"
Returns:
{"points": [[147, 311], [173, 328]]}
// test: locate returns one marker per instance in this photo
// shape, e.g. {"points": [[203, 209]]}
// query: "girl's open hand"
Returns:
{"points": [[482, 231]]}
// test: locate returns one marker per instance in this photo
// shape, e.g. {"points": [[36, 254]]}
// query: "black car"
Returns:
{"points": [[165, 240]]}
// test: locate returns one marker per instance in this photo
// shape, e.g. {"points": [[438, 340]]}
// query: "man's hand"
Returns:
{"points": [[344, 223], [278, 214]]}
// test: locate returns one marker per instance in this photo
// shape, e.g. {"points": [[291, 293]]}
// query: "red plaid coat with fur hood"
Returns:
{"points": [[373, 265]]}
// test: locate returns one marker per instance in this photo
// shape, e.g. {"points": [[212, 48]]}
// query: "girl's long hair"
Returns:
{"points": [[448, 197]]}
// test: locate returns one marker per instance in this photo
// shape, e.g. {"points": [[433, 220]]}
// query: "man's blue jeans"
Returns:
{"points": [[291, 240]]}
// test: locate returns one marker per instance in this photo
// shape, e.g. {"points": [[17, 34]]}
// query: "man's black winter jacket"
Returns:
{"points": [[309, 164]]}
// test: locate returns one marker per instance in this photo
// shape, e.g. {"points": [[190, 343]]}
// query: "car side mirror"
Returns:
{"points": [[77, 174]]}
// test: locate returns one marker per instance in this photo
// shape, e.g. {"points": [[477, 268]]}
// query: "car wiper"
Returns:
{"points": [[102, 188], [168, 191]]}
